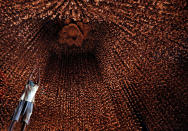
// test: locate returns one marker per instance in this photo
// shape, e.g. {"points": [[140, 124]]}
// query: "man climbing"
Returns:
{"points": [[25, 106]]}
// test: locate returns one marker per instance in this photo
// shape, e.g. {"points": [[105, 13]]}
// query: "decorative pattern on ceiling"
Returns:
{"points": [[124, 66]]}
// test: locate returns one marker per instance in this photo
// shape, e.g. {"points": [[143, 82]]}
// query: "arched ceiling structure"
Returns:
{"points": [[105, 65]]}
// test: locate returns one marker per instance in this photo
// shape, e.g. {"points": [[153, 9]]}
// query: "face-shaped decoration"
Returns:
{"points": [[70, 35], [73, 34]]}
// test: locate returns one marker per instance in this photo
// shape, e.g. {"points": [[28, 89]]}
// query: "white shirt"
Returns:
{"points": [[29, 93]]}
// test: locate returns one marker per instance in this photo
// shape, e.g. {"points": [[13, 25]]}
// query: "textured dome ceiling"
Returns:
{"points": [[105, 64]]}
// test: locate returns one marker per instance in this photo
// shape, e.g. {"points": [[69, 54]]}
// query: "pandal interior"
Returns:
{"points": [[123, 66]]}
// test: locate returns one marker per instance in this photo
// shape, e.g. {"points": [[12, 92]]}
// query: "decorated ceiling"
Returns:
{"points": [[104, 64]]}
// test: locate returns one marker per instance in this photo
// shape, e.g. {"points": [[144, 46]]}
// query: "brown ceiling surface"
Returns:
{"points": [[123, 66]]}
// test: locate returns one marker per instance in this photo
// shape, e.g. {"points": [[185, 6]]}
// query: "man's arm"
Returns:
{"points": [[30, 76], [33, 100], [38, 82], [23, 94]]}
